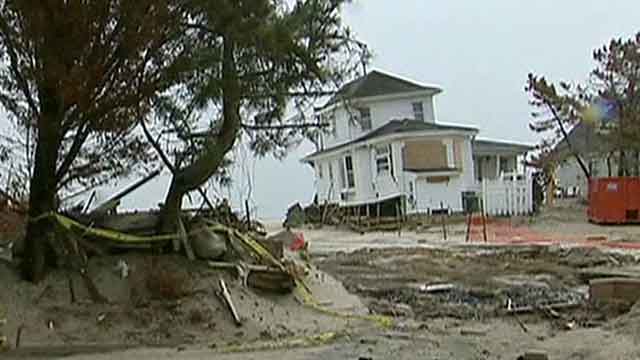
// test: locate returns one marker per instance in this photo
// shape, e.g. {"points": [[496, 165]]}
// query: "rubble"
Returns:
{"points": [[206, 243], [534, 355]]}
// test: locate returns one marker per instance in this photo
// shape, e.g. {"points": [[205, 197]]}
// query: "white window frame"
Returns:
{"points": [[451, 159], [334, 125], [382, 155], [365, 113], [418, 110], [349, 175]]}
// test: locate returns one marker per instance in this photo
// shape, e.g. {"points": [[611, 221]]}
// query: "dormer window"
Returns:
{"points": [[418, 110], [365, 118]]}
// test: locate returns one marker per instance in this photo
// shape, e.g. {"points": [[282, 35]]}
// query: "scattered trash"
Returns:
{"points": [[473, 332], [4, 343], [571, 325], [101, 318], [534, 355], [122, 268], [50, 324], [298, 242], [436, 288]]}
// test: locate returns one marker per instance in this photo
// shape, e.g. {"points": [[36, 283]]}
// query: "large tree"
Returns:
{"points": [[76, 76], [609, 102], [260, 59]]}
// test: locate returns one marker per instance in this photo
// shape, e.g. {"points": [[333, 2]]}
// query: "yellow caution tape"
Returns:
{"points": [[288, 343], [111, 235], [309, 300]]}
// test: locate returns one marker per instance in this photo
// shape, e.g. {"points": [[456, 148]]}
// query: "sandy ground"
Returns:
{"points": [[388, 272], [138, 315], [566, 220], [437, 339]]}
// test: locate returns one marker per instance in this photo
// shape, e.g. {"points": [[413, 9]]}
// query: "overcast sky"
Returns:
{"points": [[478, 51]]}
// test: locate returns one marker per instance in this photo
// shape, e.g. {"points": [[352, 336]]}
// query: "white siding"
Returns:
{"points": [[432, 196], [468, 166], [382, 111], [371, 186], [364, 183]]}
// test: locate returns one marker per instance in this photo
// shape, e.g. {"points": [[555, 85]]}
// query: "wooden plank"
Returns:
{"points": [[182, 232], [115, 200], [226, 296]]}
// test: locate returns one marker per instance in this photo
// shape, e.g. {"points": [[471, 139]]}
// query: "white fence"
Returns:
{"points": [[507, 197]]}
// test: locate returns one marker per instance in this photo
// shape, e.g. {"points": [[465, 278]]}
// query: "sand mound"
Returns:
{"points": [[164, 300]]}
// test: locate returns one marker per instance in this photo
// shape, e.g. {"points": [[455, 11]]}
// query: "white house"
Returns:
{"points": [[385, 144]]}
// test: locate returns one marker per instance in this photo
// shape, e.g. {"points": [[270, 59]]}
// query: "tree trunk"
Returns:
{"points": [[216, 148], [622, 164], [42, 196]]}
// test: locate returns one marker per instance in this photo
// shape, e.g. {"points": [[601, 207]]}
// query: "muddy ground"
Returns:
{"points": [[471, 282]]}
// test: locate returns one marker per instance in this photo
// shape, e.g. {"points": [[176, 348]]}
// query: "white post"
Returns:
{"points": [[484, 197], [497, 166]]}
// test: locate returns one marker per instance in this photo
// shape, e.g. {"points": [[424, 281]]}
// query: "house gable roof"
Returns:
{"points": [[492, 147], [406, 126], [584, 140], [377, 83]]}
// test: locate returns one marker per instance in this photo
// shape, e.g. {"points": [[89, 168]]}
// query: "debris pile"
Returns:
{"points": [[467, 283], [4, 342]]}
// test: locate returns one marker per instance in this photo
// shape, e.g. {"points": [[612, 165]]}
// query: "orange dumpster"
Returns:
{"points": [[614, 200]]}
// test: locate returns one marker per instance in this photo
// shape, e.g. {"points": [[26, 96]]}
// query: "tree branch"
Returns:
{"points": [[13, 56], [284, 126], [583, 166], [78, 141], [168, 163]]}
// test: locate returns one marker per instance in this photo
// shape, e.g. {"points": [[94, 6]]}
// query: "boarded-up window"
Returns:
{"points": [[425, 155]]}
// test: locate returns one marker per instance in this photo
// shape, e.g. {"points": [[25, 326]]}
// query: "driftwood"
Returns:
{"points": [[138, 223], [226, 296], [260, 277], [271, 280], [72, 292], [73, 256], [19, 335], [527, 309], [114, 201], [182, 232]]}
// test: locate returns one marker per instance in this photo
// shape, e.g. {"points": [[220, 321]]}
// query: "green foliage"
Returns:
{"points": [[87, 68], [287, 57], [615, 80]]}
